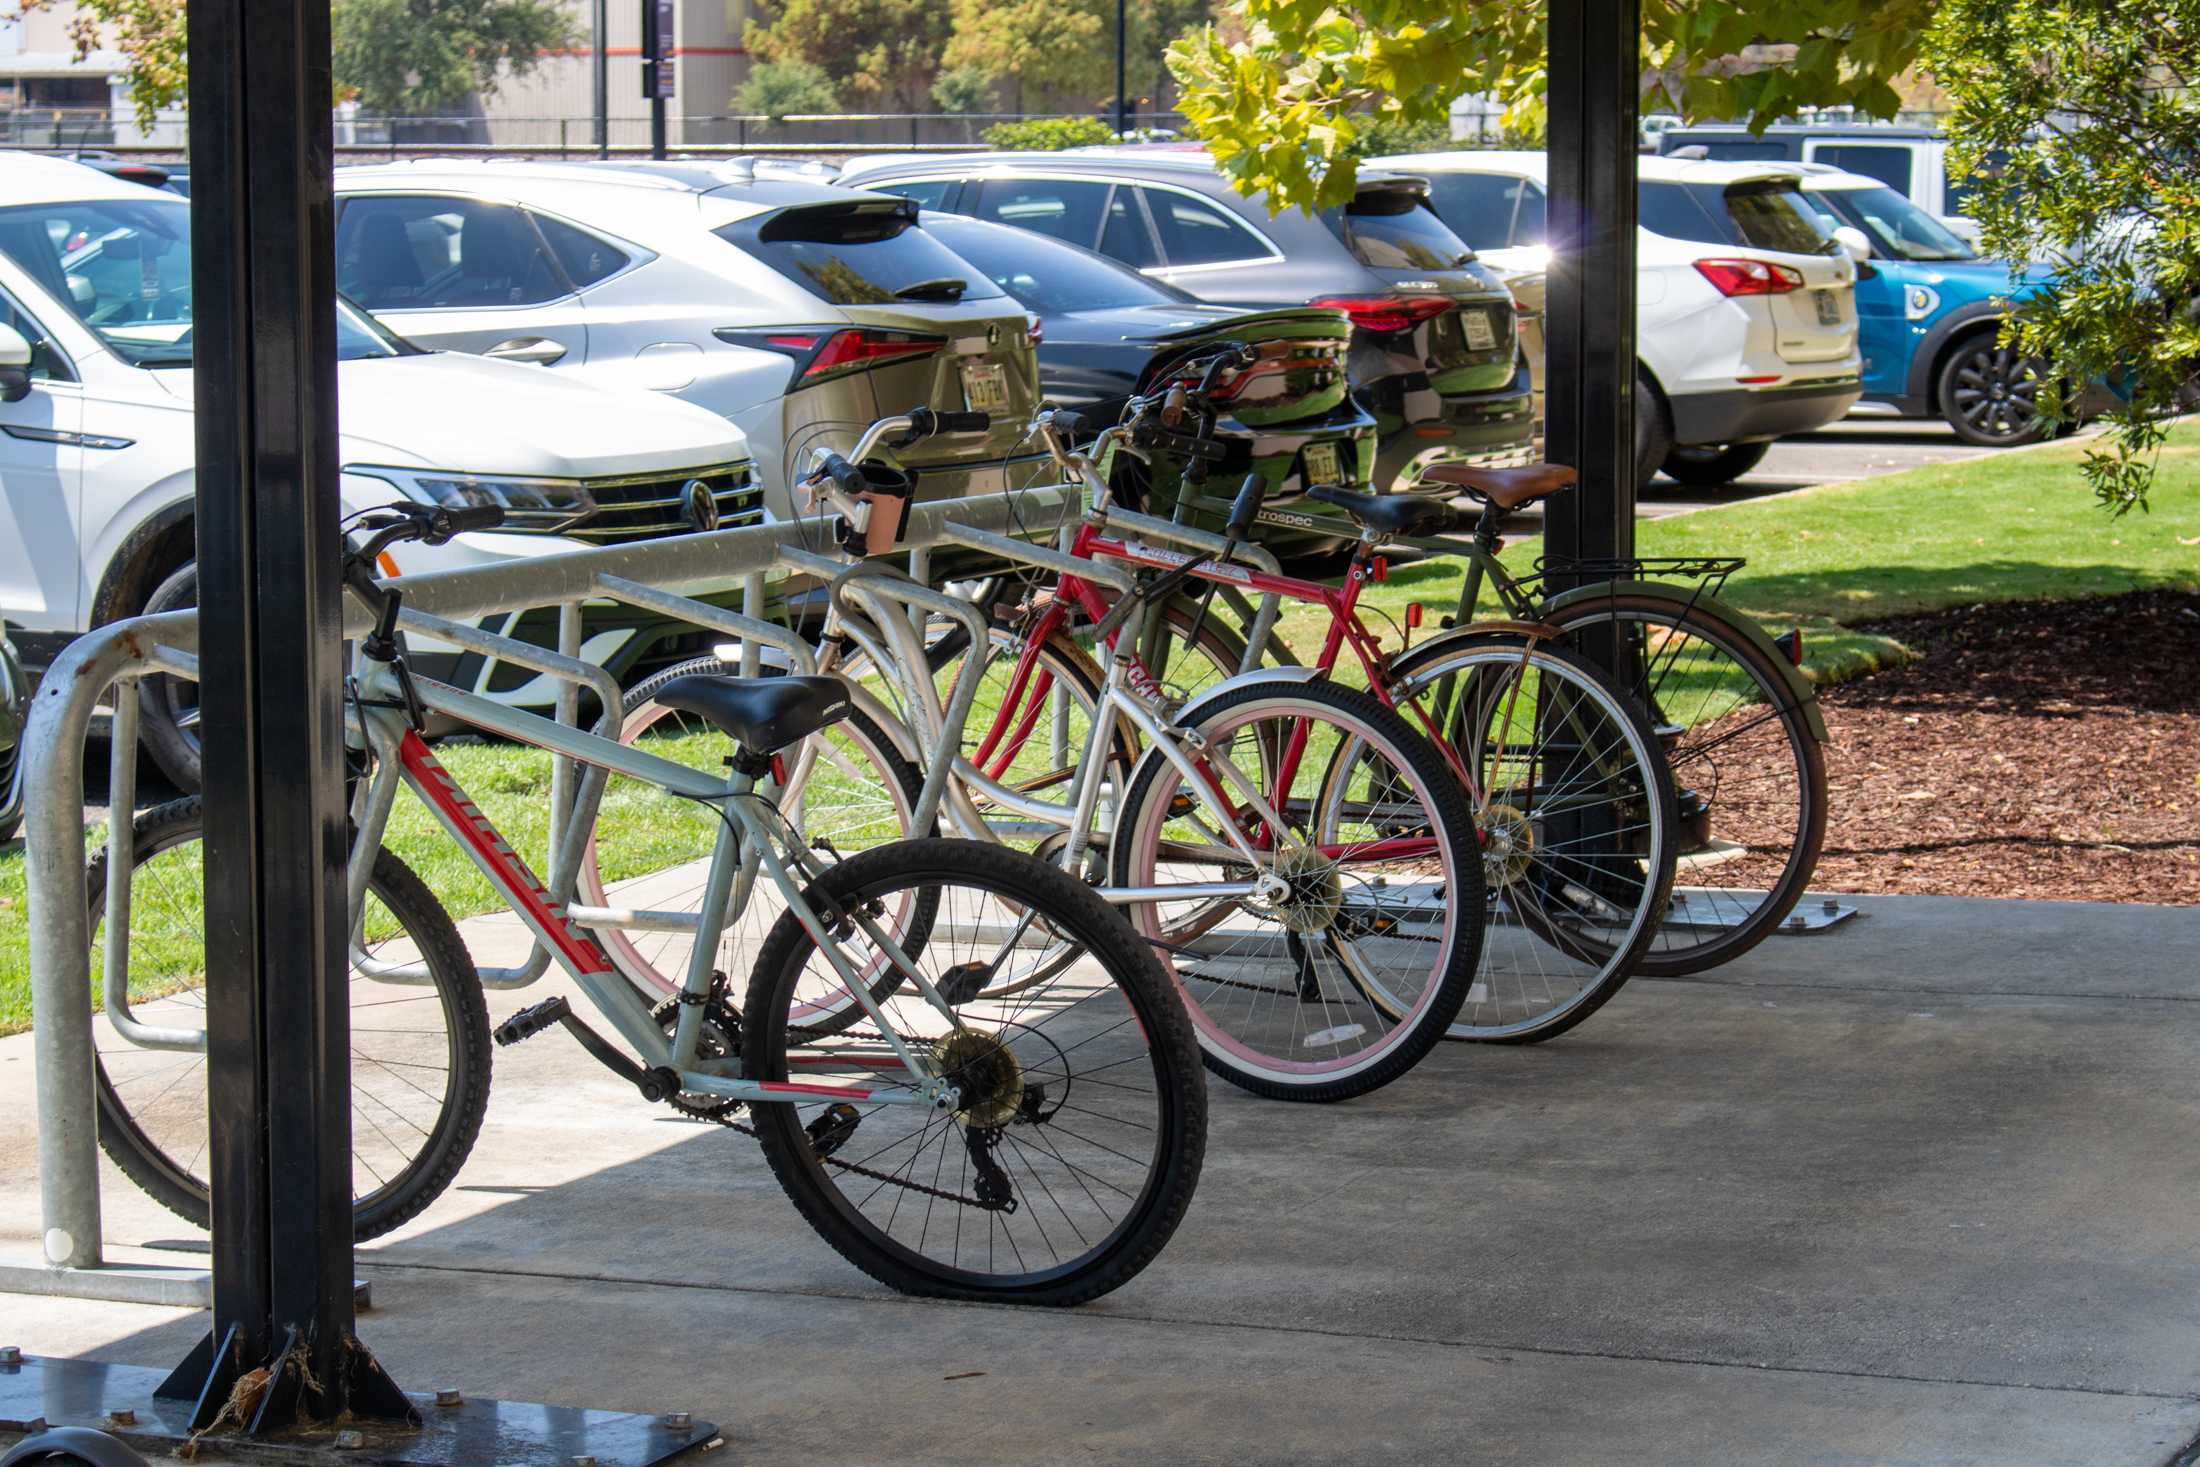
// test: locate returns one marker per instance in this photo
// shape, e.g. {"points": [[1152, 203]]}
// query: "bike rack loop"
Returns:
{"points": [[648, 574]]}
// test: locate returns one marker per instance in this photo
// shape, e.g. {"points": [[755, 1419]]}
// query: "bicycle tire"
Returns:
{"points": [[1561, 898], [1681, 950], [457, 1124], [791, 1147], [1245, 1051]]}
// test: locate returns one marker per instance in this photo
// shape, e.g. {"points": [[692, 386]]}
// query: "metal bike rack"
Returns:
{"points": [[652, 575]]}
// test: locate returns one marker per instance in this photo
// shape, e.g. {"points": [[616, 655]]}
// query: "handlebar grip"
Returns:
{"points": [[845, 475], [1067, 423], [971, 422], [450, 522], [1246, 506]]}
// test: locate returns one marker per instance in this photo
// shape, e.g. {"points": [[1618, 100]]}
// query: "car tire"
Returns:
{"points": [[1976, 367], [1707, 465], [1653, 431], [168, 707]]}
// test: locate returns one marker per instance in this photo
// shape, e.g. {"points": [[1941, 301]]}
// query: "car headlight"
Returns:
{"points": [[1920, 301], [531, 506]]}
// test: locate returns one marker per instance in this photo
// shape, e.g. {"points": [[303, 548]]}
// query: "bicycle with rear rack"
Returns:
{"points": [[1037, 1146], [1739, 723]]}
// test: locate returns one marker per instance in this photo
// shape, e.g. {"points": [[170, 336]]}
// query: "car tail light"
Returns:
{"points": [[1749, 277], [824, 351], [1035, 330], [1386, 312]]}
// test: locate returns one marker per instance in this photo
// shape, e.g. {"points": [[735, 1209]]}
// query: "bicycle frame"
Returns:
{"points": [[745, 848]]}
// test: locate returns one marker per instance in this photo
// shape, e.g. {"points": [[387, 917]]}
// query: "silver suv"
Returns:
{"points": [[800, 311]]}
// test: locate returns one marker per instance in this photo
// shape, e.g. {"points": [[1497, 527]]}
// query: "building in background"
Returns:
{"points": [[49, 97]]}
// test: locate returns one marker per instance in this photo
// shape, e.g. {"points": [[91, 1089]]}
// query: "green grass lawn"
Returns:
{"points": [[2014, 526]]}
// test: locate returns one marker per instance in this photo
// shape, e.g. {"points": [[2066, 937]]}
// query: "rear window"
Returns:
{"points": [[866, 254], [1764, 216], [1045, 275], [1395, 229], [1479, 207]]}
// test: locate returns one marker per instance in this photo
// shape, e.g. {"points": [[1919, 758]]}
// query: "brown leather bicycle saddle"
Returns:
{"points": [[1505, 488]]}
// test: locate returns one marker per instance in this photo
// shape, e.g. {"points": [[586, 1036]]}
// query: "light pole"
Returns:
{"points": [[601, 66], [1122, 67]]}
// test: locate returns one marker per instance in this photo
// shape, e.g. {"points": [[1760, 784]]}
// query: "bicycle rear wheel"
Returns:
{"points": [[1350, 968], [419, 1052], [854, 790], [1748, 768], [1575, 806], [1076, 1143]]}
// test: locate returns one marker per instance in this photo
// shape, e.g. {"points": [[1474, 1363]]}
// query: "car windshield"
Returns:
{"points": [[1895, 226], [123, 266], [1045, 275]]}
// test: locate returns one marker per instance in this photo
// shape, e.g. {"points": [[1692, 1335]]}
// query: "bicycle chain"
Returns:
{"points": [[726, 1118]]}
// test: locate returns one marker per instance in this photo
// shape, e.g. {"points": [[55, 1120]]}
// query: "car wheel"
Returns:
{"points": [[168, 708], [1653, 434], [1989, 394], [1709, 464]]}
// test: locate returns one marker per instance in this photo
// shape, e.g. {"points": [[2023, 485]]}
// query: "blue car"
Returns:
{"points": [[1928, 309]]}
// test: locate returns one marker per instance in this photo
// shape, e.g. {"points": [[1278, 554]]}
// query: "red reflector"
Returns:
{"points": [[1379, 568], [1755, 381], [1413, 615], [1749, 277], [1035, 329], [869, 348], [1386, 312]]}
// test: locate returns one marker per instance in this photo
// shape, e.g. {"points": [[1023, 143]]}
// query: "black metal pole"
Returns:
{"points": [[657, 54], [1589, 320], [278, 1005], [1122, 68], [600, 66]]}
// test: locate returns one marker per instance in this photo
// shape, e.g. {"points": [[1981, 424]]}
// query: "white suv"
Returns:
{"points": [[97, 444], [1737, 342], [800, 312]]}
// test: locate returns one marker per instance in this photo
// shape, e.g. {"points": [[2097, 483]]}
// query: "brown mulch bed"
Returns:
{"points": [[2035, 749]]}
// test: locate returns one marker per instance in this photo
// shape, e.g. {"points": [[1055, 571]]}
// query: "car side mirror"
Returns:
{"points": [[15, 365], [1854, 243]]}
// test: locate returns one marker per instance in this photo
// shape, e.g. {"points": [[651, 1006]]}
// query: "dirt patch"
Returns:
{"points": [[2035, 749]]}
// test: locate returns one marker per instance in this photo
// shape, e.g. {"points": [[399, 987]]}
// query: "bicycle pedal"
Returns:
{"points": [[961, 983], [832, 1130], [529, 1022]]}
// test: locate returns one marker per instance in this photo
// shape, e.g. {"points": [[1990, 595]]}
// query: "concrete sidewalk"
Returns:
{"points": [[1920, 1189]]}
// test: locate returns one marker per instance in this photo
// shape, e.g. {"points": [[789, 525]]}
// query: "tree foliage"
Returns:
{"points": [[1284, 107], [418, 58], [879, 54], [1033, 45], [781, 89], [2083, 122]]}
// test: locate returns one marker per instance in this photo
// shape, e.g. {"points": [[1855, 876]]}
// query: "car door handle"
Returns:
{"points": [[537, 349]]}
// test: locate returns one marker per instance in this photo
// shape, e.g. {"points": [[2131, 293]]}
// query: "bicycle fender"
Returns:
{"points": [[1801, 688]]}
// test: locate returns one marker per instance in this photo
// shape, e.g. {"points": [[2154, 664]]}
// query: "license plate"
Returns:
{"points": [[985, 387], [1829, 307], [1480, 335], [1324, 464]]}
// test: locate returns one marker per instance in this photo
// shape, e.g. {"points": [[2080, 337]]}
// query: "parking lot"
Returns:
{"points": [[1856, 448]]}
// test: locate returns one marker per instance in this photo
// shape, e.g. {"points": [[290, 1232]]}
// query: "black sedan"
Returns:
{"points": [[1106, 332]]}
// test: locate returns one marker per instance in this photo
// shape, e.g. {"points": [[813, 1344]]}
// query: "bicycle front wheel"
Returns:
{"points": [[1356, 948], [1075, 1144], [1748, 770], [1575, 805], [419, 1050]]}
